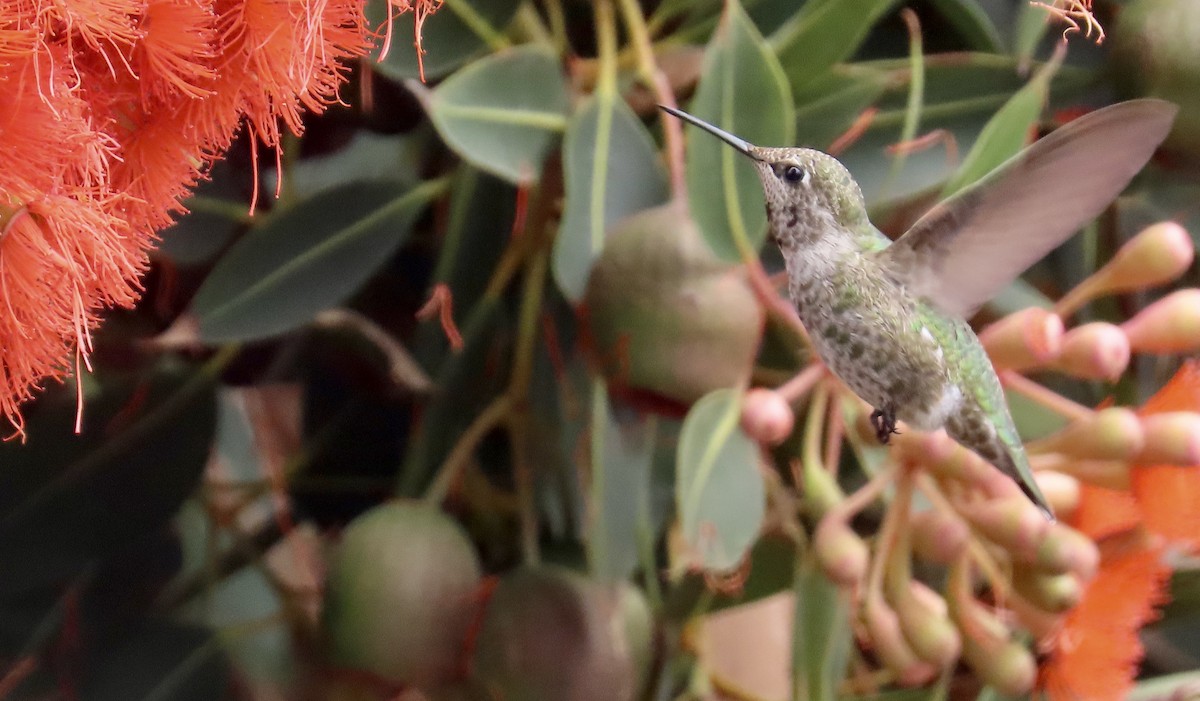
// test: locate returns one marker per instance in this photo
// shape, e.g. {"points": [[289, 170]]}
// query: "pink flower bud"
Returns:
{"points": [[1013, 523], [938, 536], [923, 620], [1114, 433], [1064, 549], [766, 416], [1043, 625], [1061, 490], [1172, 438], [1110, 474], [843, 556], [1096, 351], [888, 641], [1156, 255], [1028, 338], [944, 457], [1170, 325], [988, 649], [1048, 591]]}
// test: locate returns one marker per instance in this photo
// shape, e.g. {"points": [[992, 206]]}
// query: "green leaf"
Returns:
{"points": [[824, 118], [453, 35], [503, 112], [1030, 27], [622, 454], [960, 84], [821, 635], [718, 488], [1181, 685], [814, 40], [772, 569], [305, 259], [1006, 133], [743, 91], [368, 156], [68, 500], [611, 170], [972, 24]]}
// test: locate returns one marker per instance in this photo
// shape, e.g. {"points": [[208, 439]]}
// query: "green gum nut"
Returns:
{"points": [[668, 320], [403, 589]]}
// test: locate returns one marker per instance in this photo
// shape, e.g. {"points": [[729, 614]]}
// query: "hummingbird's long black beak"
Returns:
{"points": [[737, 142]]}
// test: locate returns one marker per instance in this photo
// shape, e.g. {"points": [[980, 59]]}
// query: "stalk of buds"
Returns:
{"points": [[1007, 563]]}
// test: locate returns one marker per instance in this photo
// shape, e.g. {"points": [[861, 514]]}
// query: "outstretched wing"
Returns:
{"points": [[968, 248]]}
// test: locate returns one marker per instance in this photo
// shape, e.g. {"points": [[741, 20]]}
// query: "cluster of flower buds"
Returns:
{"points": [[1036, 339], [983, 530], [1008, 568]]}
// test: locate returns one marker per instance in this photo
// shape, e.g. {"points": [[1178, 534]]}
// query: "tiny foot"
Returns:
{"points": [[884, 423]]}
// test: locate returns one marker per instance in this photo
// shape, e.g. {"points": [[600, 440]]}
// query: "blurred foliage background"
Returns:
{"points": [[480, 320]]}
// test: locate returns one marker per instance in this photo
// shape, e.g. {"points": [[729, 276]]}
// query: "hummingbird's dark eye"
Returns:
{"points": [[794, 174]]}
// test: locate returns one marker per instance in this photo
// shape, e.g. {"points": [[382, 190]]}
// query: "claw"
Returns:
{"points": [[884, 423]]}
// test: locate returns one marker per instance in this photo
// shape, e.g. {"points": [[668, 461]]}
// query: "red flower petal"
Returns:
{"points": [[1097, 651]]}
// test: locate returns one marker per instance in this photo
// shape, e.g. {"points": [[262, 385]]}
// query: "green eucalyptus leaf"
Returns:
{"points": [[822, 634], [828, 33], [772, 569], [367, 156], [453, 35], [503, 112], [611, 170], [305, 259], [1030, 27], [972, 24], [824, 118], [622, 454], [1006, 133], [743, 91], [961, 84], [1180, 685], [718, 489]]}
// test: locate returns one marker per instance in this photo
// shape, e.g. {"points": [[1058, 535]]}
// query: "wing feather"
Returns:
{"points": [[966, 249]]}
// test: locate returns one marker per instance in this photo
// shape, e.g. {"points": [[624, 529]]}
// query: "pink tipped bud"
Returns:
{"points": [[1172, 438], [1156, 255], [1010, 669], [1064, 550], [1028, 338], [938, 536], [1114, 433], [766, 416], [888, 641], [944, 457], [1170, 325], [1097, 351], [988, 649], [1110, 474], [1043, 625], [923, 620], [1013, 523], [1048, 591], [1061, 490], [842, 554]]}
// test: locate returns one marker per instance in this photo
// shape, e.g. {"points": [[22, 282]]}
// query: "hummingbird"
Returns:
{"points": [[890, 318]]}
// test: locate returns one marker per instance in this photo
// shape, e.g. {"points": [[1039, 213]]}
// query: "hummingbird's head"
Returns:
{"points": [[808, 193]]}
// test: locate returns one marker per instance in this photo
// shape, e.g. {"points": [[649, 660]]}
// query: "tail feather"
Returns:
{"points": [[1014, 464]]}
